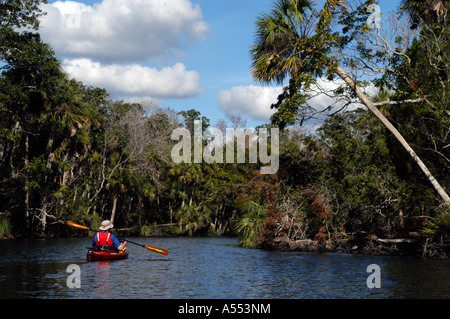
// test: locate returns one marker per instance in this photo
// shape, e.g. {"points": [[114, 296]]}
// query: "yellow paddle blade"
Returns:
{"points": [[158, 250], [77, 225]]}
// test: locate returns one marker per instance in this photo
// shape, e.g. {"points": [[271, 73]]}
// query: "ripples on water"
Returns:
{"points": [[210, 268]]}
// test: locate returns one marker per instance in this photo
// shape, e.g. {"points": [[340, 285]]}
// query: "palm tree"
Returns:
{"points": [[250, 226], [282, 41], [192, 218], [65, 114], [294, 41]]}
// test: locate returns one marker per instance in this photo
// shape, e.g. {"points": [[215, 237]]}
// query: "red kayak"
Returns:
{"points": [[98, 255]]}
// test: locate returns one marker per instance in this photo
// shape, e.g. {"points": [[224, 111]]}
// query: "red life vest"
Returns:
{"points": [[103, 239]]}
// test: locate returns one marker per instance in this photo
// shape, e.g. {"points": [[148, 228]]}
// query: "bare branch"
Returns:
{"points": [[399, 102]]}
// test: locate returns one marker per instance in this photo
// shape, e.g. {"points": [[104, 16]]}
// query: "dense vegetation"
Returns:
{"points": [[69, 152]]}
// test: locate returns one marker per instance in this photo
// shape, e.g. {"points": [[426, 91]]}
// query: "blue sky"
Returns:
{"points": [[223, 60], [180, 54]]}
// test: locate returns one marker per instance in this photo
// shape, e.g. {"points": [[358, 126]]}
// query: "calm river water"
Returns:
{"points": [[211, 268]]}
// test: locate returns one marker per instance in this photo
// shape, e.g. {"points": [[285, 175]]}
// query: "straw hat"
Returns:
{"points": [[106, 224]]}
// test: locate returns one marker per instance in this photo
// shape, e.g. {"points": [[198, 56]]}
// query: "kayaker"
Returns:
{"points": [[105, 238]]}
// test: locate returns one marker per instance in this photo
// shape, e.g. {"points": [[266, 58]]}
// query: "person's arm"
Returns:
{"points": [[94, 241], [117, 244], [123, 245]]}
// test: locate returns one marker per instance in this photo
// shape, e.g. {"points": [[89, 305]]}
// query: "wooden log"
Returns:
{"points": [[155, 225], [396, 241]]}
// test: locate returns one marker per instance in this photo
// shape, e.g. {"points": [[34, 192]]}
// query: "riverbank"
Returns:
{"points": [[415, 247]]}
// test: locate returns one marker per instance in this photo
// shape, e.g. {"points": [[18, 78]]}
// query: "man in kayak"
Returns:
{"points": [[105, 238]]}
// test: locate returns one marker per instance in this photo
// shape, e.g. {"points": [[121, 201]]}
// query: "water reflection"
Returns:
{"points": [[211, 268], [102, 276]]}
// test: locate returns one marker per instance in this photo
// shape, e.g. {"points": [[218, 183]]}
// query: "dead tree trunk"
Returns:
{"points": [[394, 131]]}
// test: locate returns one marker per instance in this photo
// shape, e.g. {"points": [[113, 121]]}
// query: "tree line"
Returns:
{"points": [[70, 152]]}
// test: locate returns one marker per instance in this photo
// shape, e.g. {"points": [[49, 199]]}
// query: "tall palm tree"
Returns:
{"points": [[282, 41], [294, 41]]}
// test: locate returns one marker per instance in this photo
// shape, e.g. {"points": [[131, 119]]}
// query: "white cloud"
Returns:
{"points": [[323, 96], [119, 31], [253, 101], [136, 80]]}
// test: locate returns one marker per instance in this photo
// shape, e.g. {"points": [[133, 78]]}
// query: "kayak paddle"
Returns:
{"points": [[157, 250], [78, 225]]}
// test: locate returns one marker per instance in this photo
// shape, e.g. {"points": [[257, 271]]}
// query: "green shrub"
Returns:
{"points": [[5, 228], [439, 227]]}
